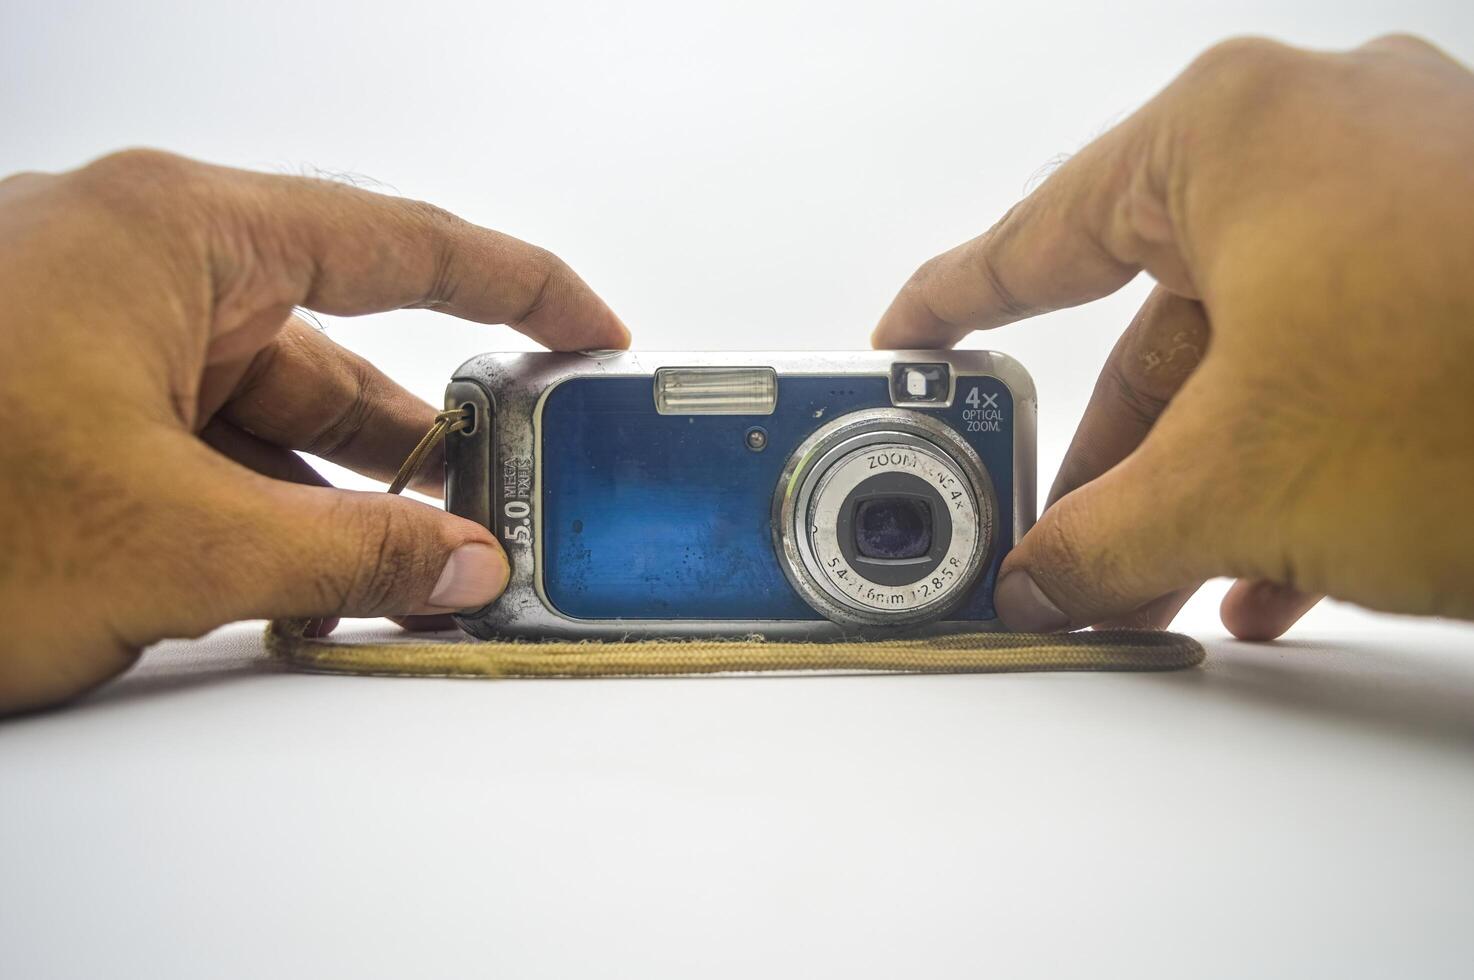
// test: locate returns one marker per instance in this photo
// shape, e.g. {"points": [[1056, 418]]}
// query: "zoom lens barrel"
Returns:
{"points": [[883, 517]]}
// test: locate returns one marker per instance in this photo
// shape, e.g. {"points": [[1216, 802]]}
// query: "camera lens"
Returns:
{"points": [[892, 528], [883, 517]]}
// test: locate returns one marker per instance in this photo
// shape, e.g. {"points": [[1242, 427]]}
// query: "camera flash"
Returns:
{"points": [[716, 391]]}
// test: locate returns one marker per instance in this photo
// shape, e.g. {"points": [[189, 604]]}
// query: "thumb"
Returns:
{"points": [[376, 554], [1131, 535], [244, 546]]}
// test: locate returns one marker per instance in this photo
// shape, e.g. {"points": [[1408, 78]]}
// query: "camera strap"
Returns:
{"points": [[953, 653]]}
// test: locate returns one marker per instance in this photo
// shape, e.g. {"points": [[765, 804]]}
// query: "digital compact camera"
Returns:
{"points": [[724, 494]]}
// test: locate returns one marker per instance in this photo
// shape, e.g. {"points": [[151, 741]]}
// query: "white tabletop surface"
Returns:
{"points": [[1302, 809]]}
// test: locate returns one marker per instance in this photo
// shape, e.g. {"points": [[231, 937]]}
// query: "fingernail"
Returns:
{"points": [[474, 575], [1024, 607], [625, 340], [320, 627]]}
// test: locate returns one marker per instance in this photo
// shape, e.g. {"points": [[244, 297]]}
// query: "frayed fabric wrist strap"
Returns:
{"points": [[955, 653]]}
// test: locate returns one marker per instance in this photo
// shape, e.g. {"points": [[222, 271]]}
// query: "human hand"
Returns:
{"points": [[1294, 404], [154, 380]]}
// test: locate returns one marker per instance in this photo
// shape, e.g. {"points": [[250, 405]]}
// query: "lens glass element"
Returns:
{"points": [[893, 528], [883, 517]]}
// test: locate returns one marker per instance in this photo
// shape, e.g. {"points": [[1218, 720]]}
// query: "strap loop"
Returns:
{"points": [[447, 422]]}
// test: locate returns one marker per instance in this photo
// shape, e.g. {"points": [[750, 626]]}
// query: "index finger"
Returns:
{"points": [[342, 250], [367, 252], [1068, 242], [1133, 199]]}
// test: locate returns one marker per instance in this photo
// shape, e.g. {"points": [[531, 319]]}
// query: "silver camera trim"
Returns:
{"points": [[513, 387], [807, 474]]}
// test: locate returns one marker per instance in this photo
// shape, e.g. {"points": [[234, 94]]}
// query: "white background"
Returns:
{"points": [[736, 175]]}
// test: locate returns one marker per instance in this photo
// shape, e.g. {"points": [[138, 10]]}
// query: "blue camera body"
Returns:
{"points": [[692, 494]]}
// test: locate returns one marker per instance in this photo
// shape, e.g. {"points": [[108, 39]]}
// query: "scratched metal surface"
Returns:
{"points": [[521, 385]]}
